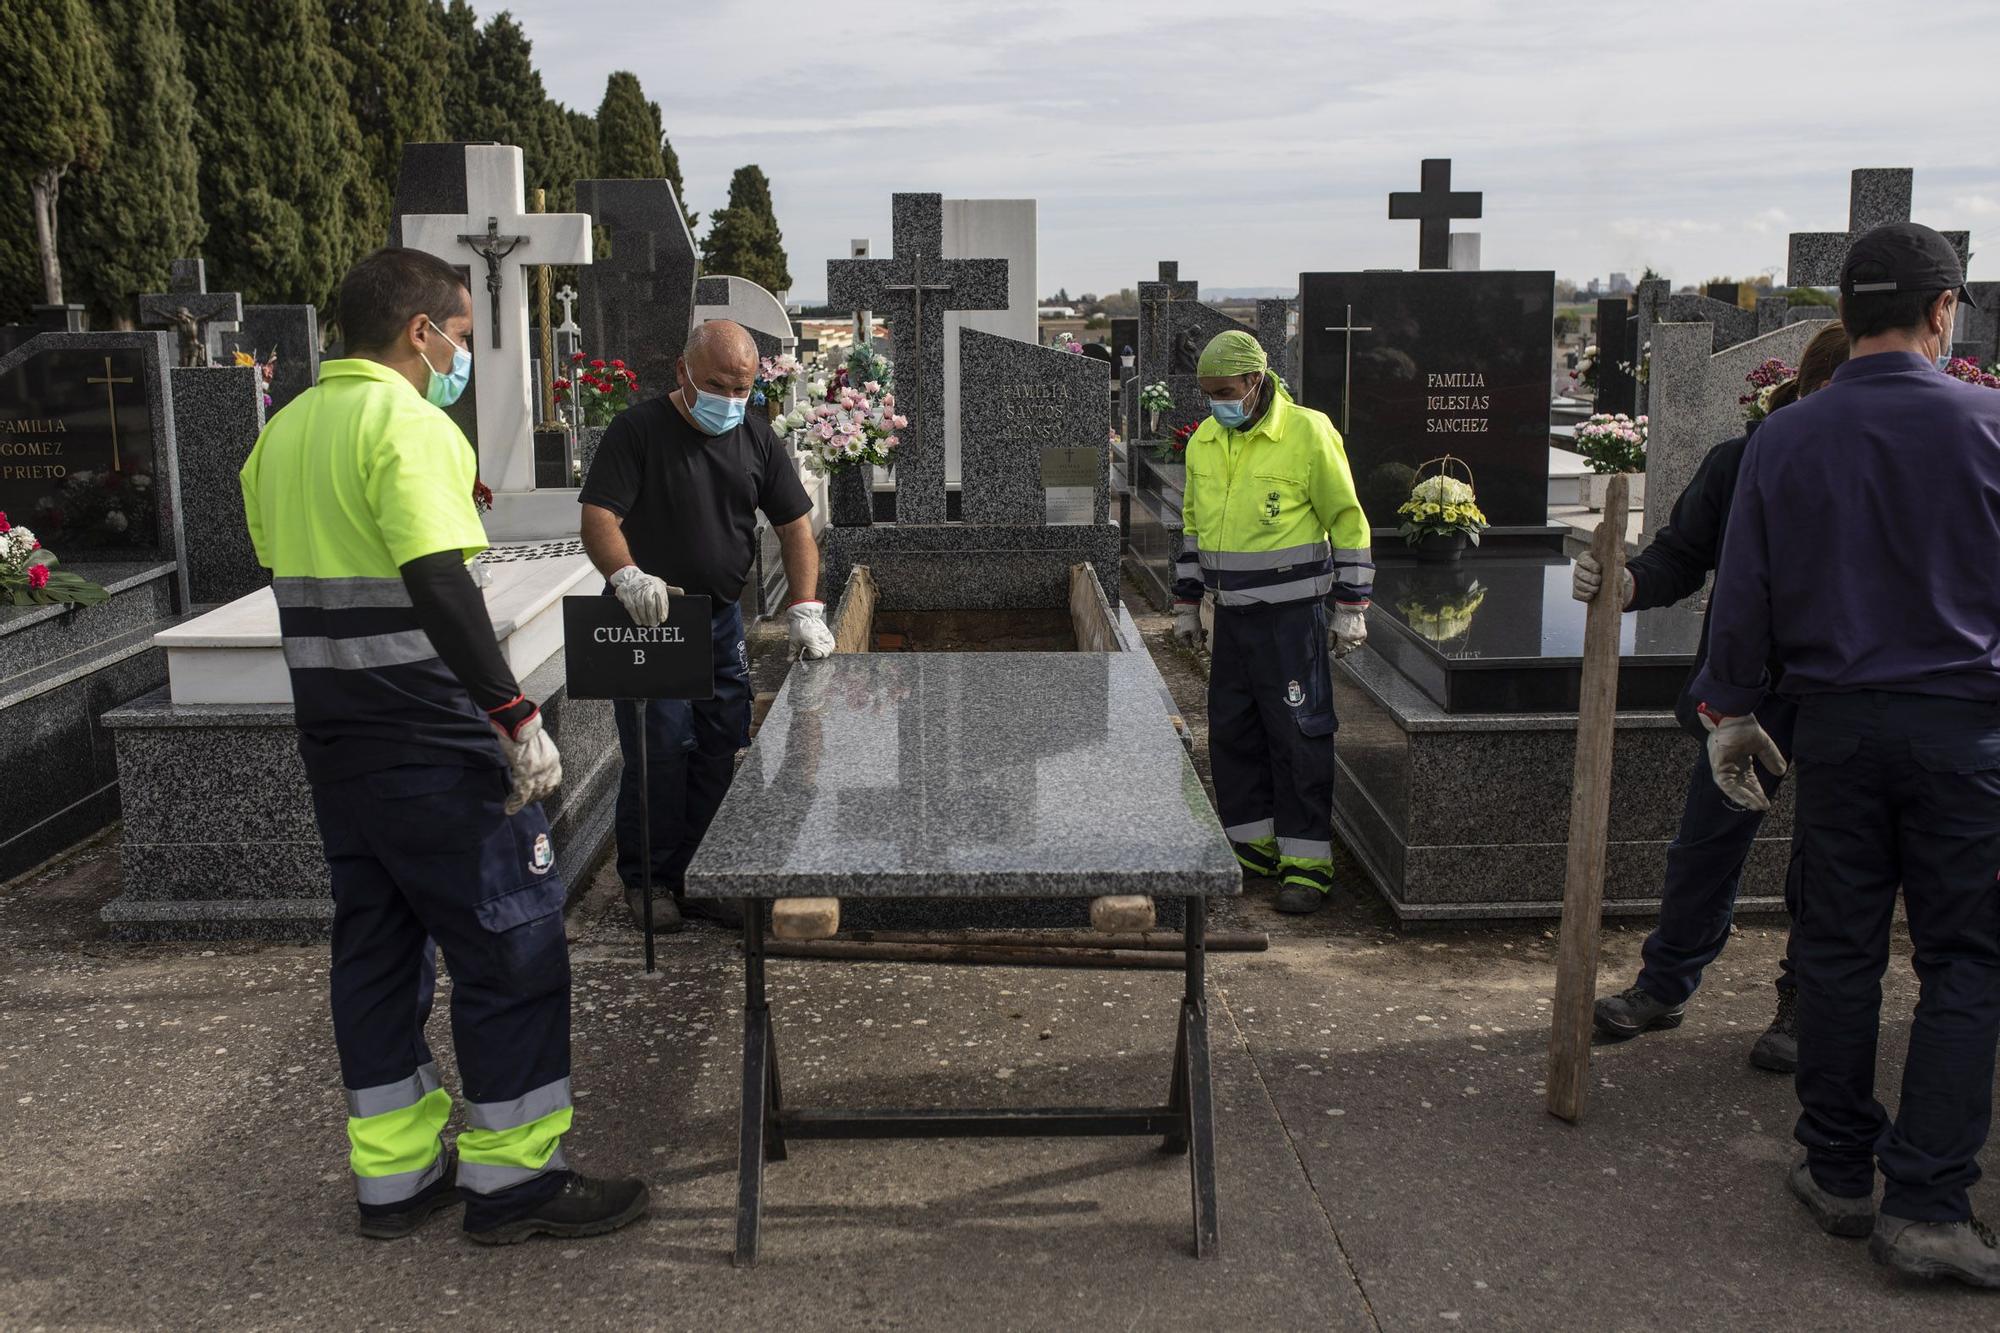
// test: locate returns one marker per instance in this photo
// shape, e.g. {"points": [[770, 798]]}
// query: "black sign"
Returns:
{"points": [[608, 657], [1412, 366], [76, 450]]}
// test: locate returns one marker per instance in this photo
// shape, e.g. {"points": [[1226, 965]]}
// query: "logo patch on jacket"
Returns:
{"points": [[543, 858], [1273, 502], [1294, 695]]}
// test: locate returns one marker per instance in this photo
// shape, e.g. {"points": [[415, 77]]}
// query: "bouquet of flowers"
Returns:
{"points": [[265, 369], [850, 427], [775, 377], [1764, 382], [602, 388], [1175, 449], [109, 508], [1441, 506], [1613, 443], [1965, 368], [1644, 370], [864, 363], [29, 577], [1155, 398], [1585, 375], [1441, 619]]}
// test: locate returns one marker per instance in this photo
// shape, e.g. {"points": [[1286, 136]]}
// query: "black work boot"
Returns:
{"points": [[1964, 1250], [724, 912], [1778, 1049], [393, 1221], [1632, 1011], [1837, 1214], [666, 912], [1305, 888], [1258, 859], [584, 1206]]}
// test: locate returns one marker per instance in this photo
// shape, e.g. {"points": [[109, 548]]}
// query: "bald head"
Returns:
{"points": [[721, 357]]}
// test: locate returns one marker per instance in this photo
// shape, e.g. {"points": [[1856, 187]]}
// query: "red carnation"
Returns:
{"points": [[618, 365], [561, 383], [38, 576], [597, 365], [5, 526], [576, 356]]}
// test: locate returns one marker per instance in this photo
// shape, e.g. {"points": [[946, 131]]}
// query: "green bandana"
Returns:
{"points": [[1237, 353]]}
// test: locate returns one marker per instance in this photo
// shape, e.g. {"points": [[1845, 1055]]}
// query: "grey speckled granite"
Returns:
{"points": [[214, 313], [1017, 399], [1876, 195], [911, 292], [922, 776], [1154, 535], [968, 567], [218, 411], [142, 592], [1467, 817], [219, 839], [290, 331], [636, 298], [1732, 323], [1693, 399]]}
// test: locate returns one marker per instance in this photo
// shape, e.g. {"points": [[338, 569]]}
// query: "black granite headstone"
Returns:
{"points": [[431, 179], [1412, 366], [1617, 391], [638, 294], [290, 331]]}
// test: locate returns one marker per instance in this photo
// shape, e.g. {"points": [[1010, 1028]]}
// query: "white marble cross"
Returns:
{"points": [[502, 377], [567, 295]]}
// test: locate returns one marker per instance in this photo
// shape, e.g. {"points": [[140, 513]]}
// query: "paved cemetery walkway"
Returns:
{"points": [[171, 1128]]}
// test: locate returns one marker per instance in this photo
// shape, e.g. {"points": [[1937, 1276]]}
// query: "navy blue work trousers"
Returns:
{"points": [[1271, 726], [1898, 789]]}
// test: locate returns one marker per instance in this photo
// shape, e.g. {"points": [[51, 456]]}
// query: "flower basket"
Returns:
{"points": [[1442, 515], [850, 496]]}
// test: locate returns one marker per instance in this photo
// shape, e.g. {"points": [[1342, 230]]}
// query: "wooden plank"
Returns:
{"points": [[1589, 821], [1090, 612], [854, 622]]}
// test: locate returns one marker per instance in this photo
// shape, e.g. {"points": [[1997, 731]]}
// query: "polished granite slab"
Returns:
{"points": [[976, 775]]}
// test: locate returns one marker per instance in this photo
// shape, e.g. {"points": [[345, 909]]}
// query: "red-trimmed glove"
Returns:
{"points": [[1350, 627], [530, 753], [1735, 744]]}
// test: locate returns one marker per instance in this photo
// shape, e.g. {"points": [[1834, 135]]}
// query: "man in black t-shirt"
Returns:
{"points": [[670, 504]]}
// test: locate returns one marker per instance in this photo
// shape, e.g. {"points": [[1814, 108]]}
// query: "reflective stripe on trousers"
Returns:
{"points": [[506, 1143], [395, 1136]]}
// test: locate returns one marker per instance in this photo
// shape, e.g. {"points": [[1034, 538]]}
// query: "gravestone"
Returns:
{"points": [[431, 178], [1979, 324], [1125, 341], [496, 238], [1731, 323], [1876, 196], [913, 290], [1174, 327], [1616, 391], [748, 304], [289, 331], [1649, 307], [201, 316], [1433, 207], [637, 295], [87, 450], [1412, 366], [218, 412], [1034, 422], [987, 229], [1465, 252], [1695, 407]]}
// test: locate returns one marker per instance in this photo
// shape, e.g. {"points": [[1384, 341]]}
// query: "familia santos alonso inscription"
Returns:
{"points": [[77, 449]]}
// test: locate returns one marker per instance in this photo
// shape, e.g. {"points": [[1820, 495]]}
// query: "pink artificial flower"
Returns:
{"points": [[38, 576], [872, 387], [900, 422]]}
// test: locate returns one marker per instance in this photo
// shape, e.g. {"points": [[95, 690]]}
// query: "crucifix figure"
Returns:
{"points": [[1433, 207], [200, 315], [1350, 328], [107, 379], [513, 238], [912, 290]]}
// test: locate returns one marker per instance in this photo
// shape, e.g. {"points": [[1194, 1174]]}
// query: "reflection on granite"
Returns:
{"points": [[966, 775]]}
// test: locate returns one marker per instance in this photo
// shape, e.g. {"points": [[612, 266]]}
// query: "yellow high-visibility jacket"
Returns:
{"points": [[1269, 514]]}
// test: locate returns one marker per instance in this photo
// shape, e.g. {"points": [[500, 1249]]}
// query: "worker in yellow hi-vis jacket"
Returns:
{"points": [[1272, 526]]}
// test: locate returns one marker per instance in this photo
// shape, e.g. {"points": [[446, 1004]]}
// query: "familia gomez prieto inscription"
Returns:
{"points": [[77, 448]]}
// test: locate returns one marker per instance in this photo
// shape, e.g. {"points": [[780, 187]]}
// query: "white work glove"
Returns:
{"points": [[1733, 743], [532, 757], [1350, 627], [643, 596], [1187, 624], [1588, 576], [811, 639]]}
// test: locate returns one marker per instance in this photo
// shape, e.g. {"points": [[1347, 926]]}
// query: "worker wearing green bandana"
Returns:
{"points": [[1271, 527]]}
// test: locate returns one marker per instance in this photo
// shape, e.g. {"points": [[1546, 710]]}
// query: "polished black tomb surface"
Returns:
{"points": [[1501, 634]]}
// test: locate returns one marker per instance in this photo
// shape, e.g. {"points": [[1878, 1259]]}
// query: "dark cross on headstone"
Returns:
{"points": [[1156, 319], [492, 247], [107, 379], [1433, 207], [1350, 328], [912, 290], [187, 303], [1875, 196]]}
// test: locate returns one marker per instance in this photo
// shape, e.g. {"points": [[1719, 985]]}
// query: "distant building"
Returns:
{"points": [[1055, 312], [1621, 284]]}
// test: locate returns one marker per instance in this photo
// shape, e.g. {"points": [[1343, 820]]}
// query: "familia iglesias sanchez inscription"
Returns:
{"points": [[77, 448], [1453, 412]]}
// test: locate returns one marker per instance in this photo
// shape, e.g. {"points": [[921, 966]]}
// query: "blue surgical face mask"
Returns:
{"points": [[1232, 412], [1944, 357], [715, 414], [444, 390]]}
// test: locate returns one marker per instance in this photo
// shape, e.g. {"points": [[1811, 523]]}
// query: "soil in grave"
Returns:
{"points": [[1011, 631]]}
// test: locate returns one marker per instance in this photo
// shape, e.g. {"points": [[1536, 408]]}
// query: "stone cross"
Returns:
{"points": [[1876, 196], [1156, 318], [1433, 207], [497, 229], [913, 289], [188, 302], [566, 294]]}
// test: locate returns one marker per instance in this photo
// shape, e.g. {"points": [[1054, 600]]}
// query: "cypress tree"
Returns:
{"points": [[280, 152], [670, 165], [628, 135], [396, 55], [744, 239], [56, 120], [501, 99], [141, 208]]}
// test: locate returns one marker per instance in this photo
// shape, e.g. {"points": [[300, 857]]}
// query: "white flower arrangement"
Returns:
{"points": [[855, 426]]}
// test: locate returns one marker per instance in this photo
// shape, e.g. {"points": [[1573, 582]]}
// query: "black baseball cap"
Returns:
{"points": [[1903, 257]]}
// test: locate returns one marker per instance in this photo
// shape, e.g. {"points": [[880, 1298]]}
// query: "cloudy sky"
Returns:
{"points": [[1253, 141]]}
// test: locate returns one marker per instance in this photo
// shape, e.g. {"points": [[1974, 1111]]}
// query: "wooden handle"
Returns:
{"points": [[1589, 819]]}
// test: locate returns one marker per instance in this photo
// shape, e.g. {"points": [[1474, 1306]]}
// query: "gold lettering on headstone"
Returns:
{"points": [[1457, 413]]}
